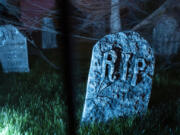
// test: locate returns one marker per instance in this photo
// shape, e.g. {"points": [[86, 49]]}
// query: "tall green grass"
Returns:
{"points": [[38, 117], [33, 103]]}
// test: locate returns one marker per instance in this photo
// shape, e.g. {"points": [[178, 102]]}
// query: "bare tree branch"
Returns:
{"points": [[41, 54]]}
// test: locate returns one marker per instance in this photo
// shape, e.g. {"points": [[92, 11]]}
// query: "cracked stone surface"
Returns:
{"points": [[120, 77], [13, 50]]}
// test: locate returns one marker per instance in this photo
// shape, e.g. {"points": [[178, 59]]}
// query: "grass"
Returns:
{"points": [[41, 117], [34, 103]]}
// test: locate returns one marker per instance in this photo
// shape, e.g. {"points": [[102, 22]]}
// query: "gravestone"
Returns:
{"points": [[48, 34], [99, 28], [166, 37], [13, 50], [120, 77]]}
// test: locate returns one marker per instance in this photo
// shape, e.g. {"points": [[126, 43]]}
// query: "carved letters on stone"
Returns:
{"points": [[120, 77], [13, 50]]}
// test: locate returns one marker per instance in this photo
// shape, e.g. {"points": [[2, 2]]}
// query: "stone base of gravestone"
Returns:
{"points": [[48, 34], [120, 77], [13, 50]]}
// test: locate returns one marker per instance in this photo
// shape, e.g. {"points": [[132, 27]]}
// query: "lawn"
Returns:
{"points": [[32, 103]]}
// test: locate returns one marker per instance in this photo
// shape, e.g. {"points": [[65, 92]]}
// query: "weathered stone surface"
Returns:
{"points": [[13, 50], [120, 77], [166, 37], [48, 37]]}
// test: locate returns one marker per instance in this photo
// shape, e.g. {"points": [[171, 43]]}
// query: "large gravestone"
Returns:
{"points": [[48, 34], [166, 37], [13, 50], [120, 77]]}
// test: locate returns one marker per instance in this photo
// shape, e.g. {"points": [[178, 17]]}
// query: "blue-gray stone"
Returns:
{"points": [[166, 37], [48, 36], [13, 50], [120, 77]]}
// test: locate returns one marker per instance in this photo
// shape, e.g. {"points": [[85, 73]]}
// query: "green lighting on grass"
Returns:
{"points": [[10, 122], [4, 131], [10, 130]]}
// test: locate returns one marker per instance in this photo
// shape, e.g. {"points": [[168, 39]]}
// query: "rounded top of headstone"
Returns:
{"points": [[120, 77], [166, 25], [10, 34], [127, 42], [48, 25]]}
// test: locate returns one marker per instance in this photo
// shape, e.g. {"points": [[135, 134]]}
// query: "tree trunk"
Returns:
{"points": [[115, 19]]}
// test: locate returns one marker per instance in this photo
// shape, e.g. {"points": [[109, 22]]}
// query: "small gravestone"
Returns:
{"points": [[120, 77], [13, 50], [166, 37], [99, 28], [48, 34]]}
